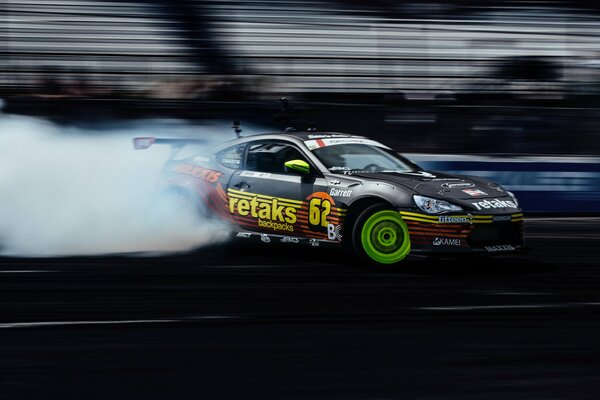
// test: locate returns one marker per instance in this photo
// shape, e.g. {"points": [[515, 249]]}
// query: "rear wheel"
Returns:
{"points": [[175, 209], [380, 237]]}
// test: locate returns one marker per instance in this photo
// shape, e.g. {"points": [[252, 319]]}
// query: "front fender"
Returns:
{"points": [[398, 197]]}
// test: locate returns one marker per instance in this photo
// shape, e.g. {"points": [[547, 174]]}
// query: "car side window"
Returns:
{"points": [[231, 157], [271, 156]]}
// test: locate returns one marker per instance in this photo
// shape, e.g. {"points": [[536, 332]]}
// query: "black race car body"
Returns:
{"points": [[337, 189]]}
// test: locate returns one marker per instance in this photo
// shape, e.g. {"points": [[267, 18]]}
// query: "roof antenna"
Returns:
{"points": [[285, 118], [236, 128]]}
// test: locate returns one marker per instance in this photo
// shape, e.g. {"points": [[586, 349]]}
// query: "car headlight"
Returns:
{"points": [[511, 194], [434, 206]]}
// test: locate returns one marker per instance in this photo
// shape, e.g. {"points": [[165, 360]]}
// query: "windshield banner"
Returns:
{"points": [[318, 143]]}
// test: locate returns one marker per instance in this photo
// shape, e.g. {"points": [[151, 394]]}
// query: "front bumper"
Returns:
{"points": [[465, 233]]}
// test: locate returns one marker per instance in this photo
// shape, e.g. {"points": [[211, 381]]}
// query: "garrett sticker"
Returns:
{"points": [[340, 192]]}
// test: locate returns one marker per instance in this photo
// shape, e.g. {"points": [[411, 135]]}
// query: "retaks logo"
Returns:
{"points": [[493, 203], [206, 174], [267, 210]]}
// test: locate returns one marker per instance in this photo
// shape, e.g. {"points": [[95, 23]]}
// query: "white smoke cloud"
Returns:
{"points": [[75, 191]]}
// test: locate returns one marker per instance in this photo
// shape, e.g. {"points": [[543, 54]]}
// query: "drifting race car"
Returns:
{"points": [[339, 189]]}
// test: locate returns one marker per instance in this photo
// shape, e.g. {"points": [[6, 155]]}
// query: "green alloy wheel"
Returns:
{"points": [[381, 236]]}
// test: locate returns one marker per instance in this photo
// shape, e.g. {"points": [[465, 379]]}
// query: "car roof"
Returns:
{"points": [[302, 135], [298, 137]]}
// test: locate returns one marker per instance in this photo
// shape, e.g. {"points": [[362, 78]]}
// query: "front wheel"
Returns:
{"points": [[380, 236]]}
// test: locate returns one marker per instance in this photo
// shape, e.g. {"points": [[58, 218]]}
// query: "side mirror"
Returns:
{"points": [[300, 166]]}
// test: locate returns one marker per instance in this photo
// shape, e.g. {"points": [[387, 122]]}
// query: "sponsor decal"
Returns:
{"points": [[334, 232], [474, 192], [420, 173], [324, 136], [441, 241], [494, 203], [340, 192], [459, 219], [276, 226], [281, 215], [456, 185], [206, 174], [503, 247], [319, 208], [265, 238], [502, 218], [314, 242], [324, 142], [289, 239], [244, 235], [254, 174], [310, 217]]}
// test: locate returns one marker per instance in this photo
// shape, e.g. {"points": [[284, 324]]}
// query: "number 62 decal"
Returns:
{"points": [[318, 210]]}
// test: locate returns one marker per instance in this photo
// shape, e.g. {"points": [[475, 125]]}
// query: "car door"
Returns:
{"points": [[267, 197]]}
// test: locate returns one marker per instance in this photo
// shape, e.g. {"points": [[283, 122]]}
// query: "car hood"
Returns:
{"points": [[437, 184]]}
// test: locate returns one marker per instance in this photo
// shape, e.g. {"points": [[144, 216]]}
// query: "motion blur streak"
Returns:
{"points": [[74, 191]]}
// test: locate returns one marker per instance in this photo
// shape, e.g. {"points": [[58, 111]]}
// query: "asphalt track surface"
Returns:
{"points": [[293, 323]]}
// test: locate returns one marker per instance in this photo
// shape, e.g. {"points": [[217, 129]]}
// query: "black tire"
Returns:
{"points": [[176, 207]]}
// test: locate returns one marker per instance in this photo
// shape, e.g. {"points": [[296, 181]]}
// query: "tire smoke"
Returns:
{"points": [[85, 191]]}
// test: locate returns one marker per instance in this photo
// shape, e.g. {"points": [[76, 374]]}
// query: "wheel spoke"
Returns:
{"points": [[385, 237]]}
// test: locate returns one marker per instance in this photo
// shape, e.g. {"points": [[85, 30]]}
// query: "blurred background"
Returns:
{"points": [[511, 87]]}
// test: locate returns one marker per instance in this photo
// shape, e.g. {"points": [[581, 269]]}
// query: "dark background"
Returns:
{"points": [[283, 322], [445, 77], [502, 78]]}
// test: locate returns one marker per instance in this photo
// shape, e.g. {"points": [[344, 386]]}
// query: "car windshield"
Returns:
{"points": [[351, 158]]}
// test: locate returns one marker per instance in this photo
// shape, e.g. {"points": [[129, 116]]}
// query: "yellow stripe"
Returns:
{"points": [[418, 215], [436, 217], [279, 201], [238, 194], [421, 220], [474, 221], [247, 195]]}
